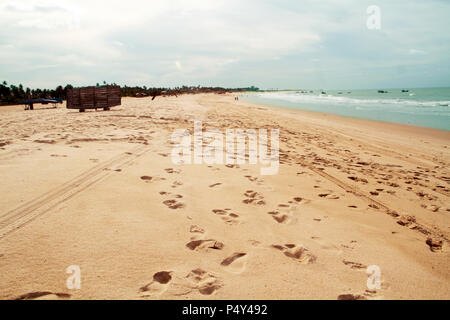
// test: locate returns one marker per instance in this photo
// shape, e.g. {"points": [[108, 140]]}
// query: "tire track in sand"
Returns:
{"points": [[373, 203], [25, 213]]}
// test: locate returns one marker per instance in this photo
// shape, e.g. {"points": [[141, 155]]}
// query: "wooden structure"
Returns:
{"points": [[29, 102], [93, 97]]}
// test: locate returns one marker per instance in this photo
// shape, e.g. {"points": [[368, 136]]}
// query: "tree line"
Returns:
{"points": [[12, 94]]}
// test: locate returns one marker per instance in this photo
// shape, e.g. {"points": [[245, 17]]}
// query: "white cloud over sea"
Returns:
{"points": [[270, 44]]}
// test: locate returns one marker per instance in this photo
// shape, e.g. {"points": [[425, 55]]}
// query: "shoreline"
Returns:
{"points": [[406, 128], [268, 104]]}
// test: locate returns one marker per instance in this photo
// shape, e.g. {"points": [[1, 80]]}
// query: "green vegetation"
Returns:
{"points": [[11, 94]]}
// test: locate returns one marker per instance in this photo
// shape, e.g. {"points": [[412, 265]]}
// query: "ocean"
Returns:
{"points": [[426, 107]]}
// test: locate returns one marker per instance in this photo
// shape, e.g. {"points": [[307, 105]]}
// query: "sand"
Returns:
{"points": [[98, 190]]}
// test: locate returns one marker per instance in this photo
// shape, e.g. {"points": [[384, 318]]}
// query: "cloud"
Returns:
{"points": [[230, 43], [36, 6], [40, 14], [117, 43], [416, 51]]}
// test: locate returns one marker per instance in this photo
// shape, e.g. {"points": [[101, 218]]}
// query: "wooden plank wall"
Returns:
{"points": [[73, 98], [87, 96], [114, 96], [101, 97], [93, 97]]}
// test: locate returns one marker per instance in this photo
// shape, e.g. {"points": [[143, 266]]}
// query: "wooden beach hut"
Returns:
{"points": [[103, 97]]}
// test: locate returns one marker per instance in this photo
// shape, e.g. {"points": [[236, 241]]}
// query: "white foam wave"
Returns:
{"points": [[330, 99]]}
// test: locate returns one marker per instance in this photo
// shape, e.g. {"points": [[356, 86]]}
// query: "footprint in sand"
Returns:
{"points": [[174, 204], [258, 181], [406, 221], [43, 295], [354, 265], [279, 217], [149, 179], [297, 252], [367, 295], [235, 263], [158, 285], [45, 141], [254, 243], [351, 246], [196, 229], [328, 195], [284, 212], [206, 283], [171, 170], [215, 184], [349, 296], [432, 207], [434, 244], [197, 242], [253, 197], [227, 216], [176, 184], [357, 179], [204, 244], [393, 184]]}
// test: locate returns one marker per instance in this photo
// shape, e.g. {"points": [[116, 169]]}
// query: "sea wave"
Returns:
{"points": [[330, 99]]}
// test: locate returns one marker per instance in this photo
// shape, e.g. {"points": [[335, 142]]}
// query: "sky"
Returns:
{"points": [[284, 44]]}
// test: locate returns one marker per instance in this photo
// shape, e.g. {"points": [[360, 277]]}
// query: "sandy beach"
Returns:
{"points": [[99, 190]]}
